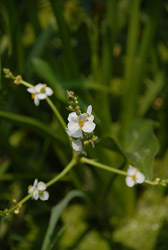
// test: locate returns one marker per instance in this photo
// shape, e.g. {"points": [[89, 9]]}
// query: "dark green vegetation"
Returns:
{"points": [[114, 55]]}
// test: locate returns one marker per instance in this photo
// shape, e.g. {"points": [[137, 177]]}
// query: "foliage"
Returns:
{"points": [[113, 55]]}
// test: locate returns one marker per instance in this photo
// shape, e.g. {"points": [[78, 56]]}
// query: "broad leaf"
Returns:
{"points": [[141, 146]]}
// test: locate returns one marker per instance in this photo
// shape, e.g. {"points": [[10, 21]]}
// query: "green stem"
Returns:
{"points": [[50, 103], [66, 170], [26, 84], [19, 204], [111, 169], [56, 112], [102, 166], [51, 182]]}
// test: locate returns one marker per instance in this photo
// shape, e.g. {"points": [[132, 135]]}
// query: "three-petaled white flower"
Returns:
{"points": [[83, 122], [134, 176], [38, 190], [40, 92]]}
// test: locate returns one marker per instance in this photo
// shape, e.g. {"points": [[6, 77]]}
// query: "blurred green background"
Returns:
{"points": [[114, 55]]}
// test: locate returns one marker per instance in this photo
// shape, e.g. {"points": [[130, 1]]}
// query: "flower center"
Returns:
{"points": [[80, 122], [134, 177], [40, 192], [33, 96], [42, 90]]}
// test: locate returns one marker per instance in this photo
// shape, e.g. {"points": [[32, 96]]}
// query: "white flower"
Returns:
{"points": [[77, 145], [40, 92], [134, 176], [38, 190], [83, 122]]}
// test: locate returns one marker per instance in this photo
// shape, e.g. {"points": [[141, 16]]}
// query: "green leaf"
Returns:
{"points": [[142, 146], [111, 144], [30, 123], [55, 214]]}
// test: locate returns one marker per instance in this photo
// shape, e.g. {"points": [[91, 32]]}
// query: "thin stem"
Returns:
{"points": [[19, 204], [51, 182], [27, 84], [50, 103], [102, 166], [66, 170], [56, 112], [111, 169]]}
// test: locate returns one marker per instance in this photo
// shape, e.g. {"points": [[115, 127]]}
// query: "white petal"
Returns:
{"points": [[90, 118], [88, 127], [38, 87], [83, 117], [36, 100], [89, 110], [129, 181], [73, 127], [35, 195], [77, 134], [68, 132], [31, 190], [73, 117], [41, 96], [77, 145], [35, 182], [44, 196], [48, 91], [31, 90], [140, 178], [131, 170], [41, 186]]}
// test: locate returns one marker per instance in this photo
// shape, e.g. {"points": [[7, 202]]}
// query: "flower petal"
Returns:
{"points": [[41, 186], [31, 90], [44, 196], [36, 100], [77, 145], [89, 110], [48, 91], [140, 178], [68, 132], [83, 117], [129, 181], [31, 190], [77, 134], [88, 127], [35, 195], [35, 182], [131, 170], [72, 117], [41, 96], [90, 118], [73, 127], [38, 87]]}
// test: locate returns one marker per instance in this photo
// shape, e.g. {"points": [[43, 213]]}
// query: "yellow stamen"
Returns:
{"points": [[80, 122], [134, 177], [33, 96]]}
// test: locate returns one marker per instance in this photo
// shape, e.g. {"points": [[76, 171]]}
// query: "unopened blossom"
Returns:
{"points": [[40, 92], [83, 122], [134, 176], [38, 190]]}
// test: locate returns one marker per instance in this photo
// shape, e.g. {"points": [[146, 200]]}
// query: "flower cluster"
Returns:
{"points": [[40, 92], [134, 176], [38, 190], [80, 127]]}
